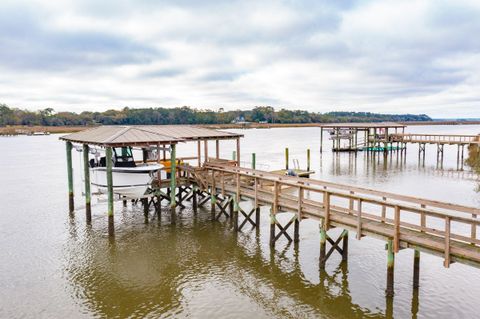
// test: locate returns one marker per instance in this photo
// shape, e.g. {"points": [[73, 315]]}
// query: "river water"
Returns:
{"points": [[53, 265]]}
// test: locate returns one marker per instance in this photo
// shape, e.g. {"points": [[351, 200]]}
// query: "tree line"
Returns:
{"points": [[188, 115]]}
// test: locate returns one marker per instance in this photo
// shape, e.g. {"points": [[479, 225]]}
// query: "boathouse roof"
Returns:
{"points": [[120, 135]]}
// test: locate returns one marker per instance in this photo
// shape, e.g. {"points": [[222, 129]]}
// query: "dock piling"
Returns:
{"points": [[286, 158], [345, 246], [308, 159], [86, 171], [321, 140], [323, 244], [109, 163], [70, 177], [416, 269], [173, 176], [390, 268]]}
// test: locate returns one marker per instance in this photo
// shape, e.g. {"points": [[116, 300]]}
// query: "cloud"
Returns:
{"points": [[416, 56]]}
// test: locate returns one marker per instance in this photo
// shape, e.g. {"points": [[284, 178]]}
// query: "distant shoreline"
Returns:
{"points": [[23, 130]]}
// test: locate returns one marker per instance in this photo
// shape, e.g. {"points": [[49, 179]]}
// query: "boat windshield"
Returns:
{"points": [[123, 157]]}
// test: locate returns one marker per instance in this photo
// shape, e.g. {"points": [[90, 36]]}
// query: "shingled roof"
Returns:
{"points": [[144, 135]]}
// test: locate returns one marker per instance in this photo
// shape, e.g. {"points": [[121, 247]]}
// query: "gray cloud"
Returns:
{"points": [[28, 45], [313, 54]]}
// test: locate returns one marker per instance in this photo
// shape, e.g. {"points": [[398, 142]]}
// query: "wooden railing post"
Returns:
{"points": [[473, 231], [396, 235], [359, 220], [384, 210], [447, 242], [326, 208], [273, 213]]}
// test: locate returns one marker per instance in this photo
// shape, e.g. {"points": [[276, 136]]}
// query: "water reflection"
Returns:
{"points": [[155, 272], [380, 163]]}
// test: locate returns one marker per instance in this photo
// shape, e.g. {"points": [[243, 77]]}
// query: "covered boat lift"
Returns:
{"points": [[145, 137], [376, 136]]}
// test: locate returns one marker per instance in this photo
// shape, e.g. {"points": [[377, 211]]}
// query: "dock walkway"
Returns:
{"points": [[438, 228]]}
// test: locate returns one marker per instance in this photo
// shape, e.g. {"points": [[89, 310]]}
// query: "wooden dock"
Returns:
{"points": [[438, 228], [449, 139]]}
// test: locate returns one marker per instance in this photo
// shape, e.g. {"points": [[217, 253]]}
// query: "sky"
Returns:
{"points": [[378, 56]]}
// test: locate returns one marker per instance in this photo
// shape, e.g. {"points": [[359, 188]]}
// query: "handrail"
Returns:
{"points": [[428, 202], [241, 185]]}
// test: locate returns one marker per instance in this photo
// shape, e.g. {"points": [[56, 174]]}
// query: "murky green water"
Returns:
{"points": [[53, 265]]}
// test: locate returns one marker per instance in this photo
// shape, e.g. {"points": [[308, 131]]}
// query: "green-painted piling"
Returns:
{"points": [[234, 155], [254, 160], [70, 177], [110, 190], [173, 176], [86, 171]]}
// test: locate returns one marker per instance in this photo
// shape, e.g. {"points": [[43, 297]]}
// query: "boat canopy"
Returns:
{"points": [[145, 135]]}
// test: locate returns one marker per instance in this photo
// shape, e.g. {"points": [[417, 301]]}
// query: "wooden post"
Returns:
{"points": [[70, 177], [447, 242], [194, 199], [237, 203], [86, 172], [386, 141], [321, 139], [254, 164], [199, 153], [384, 210], [257, 208], [108, 156], [390, 268], [286, 157], [173, 176], [323, 244], [308, 159], [273, 213], [326, 208], [213, 195], [396, 234], [345, 245], [416, 268], [473, 229], [238, 151], [296, 230], [359, 220], [205, 145], [217, 149]]}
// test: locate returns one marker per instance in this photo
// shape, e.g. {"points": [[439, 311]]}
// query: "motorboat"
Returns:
{"points": [[130, 180]]}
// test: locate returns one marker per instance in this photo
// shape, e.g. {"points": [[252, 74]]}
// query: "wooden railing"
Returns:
{"points": [[440, 228], [435, 138]]}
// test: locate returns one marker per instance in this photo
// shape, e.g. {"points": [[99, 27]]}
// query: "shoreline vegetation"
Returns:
{"points": [[20, 121], [187, 115]]}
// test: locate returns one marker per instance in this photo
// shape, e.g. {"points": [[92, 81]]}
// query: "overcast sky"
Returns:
{"points": [[378, 56]]}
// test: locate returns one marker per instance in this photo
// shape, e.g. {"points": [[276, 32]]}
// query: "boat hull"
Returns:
{"points": [[130, 182]]}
